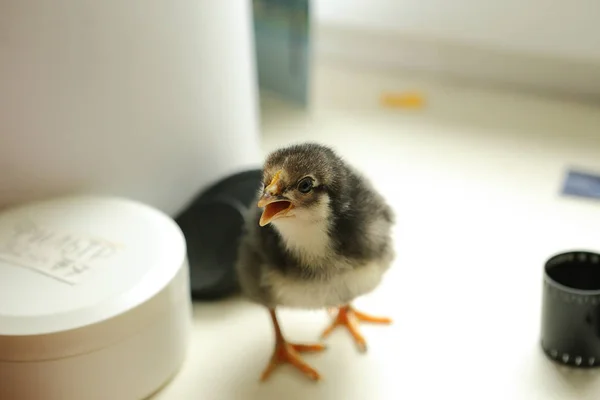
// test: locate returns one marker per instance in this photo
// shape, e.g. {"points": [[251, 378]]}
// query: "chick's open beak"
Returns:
{"points": [[274, 205]]}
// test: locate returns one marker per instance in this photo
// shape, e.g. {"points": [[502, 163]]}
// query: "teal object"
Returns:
{"points": [[282, 40]]}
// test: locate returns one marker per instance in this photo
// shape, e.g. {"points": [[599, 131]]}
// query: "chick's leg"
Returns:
{"points": [[289, 353], [347, 316]]}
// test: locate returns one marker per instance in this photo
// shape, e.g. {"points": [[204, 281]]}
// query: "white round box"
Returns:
{"points": [[94, 300]]}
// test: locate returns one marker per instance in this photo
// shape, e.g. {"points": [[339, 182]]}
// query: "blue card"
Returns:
{"points": [[582, 184], [282, 40]]}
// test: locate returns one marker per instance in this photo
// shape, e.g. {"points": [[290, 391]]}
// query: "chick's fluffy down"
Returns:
{"points": [[337, 246]]}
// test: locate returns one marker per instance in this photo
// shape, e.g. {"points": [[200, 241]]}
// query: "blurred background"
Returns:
{"points": [[471, 118], [535, 45]]}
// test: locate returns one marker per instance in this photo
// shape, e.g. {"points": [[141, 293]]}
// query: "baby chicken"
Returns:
{"points": [[322, 239]]}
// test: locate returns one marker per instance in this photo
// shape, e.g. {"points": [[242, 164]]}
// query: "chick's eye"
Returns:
{"points": [[305, 185]]}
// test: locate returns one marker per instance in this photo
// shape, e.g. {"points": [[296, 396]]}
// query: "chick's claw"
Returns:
{"points": [[362, 317], [289, 353], [349, 317], [308, 348]]}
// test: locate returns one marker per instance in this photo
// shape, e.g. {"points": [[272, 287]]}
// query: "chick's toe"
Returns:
{"points": [[348, 317], [289, 353]]}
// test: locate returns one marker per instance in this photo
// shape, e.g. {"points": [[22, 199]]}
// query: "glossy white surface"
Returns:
{"points": [[132, 367], [474, 178], [92, 258], [94, 300]]}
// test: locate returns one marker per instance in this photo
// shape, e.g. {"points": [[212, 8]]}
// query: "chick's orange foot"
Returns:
{"points": [[348, 317], [289, 353]]}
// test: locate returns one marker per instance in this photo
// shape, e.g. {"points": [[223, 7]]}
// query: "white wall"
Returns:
{"points": [[148, 99], [544, 27]]}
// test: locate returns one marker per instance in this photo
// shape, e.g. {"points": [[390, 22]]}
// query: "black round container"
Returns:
{"points": [[213, 225], [570, 332]]}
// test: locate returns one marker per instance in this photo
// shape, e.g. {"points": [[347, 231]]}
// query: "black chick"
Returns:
{"points": [[322, 239]]}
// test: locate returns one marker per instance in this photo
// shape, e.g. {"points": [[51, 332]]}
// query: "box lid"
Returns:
{"points": [[70, 263]]}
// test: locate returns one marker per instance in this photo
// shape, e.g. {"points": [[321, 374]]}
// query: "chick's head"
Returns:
{"points": [[297, 184]]}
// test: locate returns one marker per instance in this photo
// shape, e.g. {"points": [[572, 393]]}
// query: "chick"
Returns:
{"points": [[319, 238]]}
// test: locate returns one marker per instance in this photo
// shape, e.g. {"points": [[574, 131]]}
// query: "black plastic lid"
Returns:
{"points": [[212, 225]]}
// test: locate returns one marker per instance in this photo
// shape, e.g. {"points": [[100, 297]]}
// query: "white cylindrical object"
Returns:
{"points": [[151, 100], [94, 300]]}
